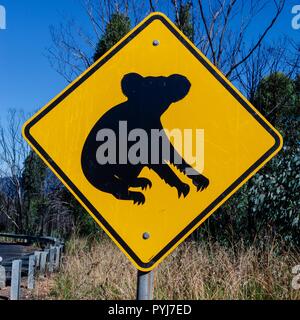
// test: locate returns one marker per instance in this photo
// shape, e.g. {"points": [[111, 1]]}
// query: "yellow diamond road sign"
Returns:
{"points": [[153, 79]]}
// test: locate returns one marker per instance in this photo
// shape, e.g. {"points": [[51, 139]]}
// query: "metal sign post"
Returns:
{"points": [[145, 285]]}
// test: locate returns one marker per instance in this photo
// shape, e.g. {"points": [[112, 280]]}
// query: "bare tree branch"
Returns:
{"points": [[280, 7], [152, 8], [208, 33], [226, 20], [13, 152], [221, 31]]}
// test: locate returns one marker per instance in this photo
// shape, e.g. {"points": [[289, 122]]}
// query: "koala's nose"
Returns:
{"points": [[180, 86], [180, 80]]}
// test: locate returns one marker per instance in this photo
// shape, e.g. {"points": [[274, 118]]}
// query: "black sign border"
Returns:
{"points": [[248, 172]]}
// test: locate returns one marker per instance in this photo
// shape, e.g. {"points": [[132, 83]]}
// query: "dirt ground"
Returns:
{"points": [[41, 291]]}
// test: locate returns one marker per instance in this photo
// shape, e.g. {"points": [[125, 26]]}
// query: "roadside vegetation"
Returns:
{"points": [[97, 270]]}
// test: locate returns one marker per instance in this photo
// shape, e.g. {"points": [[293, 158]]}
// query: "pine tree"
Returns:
{"points": [[117, 27], [184, 19], [33, 183], [275, 96], [297, 86]]}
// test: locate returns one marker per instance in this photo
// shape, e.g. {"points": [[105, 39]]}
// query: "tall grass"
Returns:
{"points": [[98, 270]]}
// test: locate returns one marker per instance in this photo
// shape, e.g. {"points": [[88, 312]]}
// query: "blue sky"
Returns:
{"points": [[27, 80]]}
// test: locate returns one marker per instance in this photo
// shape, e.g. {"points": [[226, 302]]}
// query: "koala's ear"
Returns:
{"points": [[131, 84], [179, 86]]}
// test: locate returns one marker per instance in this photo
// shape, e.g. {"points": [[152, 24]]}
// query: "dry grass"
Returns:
{"points": [[193, 271]]}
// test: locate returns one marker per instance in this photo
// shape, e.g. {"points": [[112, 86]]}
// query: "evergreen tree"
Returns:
{"points": [[275, 96], [33, 183], [184, 20], [297, 87], [117, 27]]}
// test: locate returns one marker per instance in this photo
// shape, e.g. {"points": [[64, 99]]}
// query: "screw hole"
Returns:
{"points": [[146, 236], [156, 43]]}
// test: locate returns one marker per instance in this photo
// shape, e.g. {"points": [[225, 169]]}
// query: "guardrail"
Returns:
{"points": [[25, 239], [40, 262]]}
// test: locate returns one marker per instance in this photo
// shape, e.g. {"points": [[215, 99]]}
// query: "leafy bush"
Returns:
{"points": [[267, 206]]}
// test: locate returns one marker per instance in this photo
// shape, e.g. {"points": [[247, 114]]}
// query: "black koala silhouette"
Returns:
{"points": [[148, 99]]}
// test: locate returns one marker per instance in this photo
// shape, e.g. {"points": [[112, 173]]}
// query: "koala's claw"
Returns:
{"points": [[145, 183], [183, 189], [138, 198], [200, 182]]}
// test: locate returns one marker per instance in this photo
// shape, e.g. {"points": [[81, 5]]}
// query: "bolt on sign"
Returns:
{"points": [[151, 140]]}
